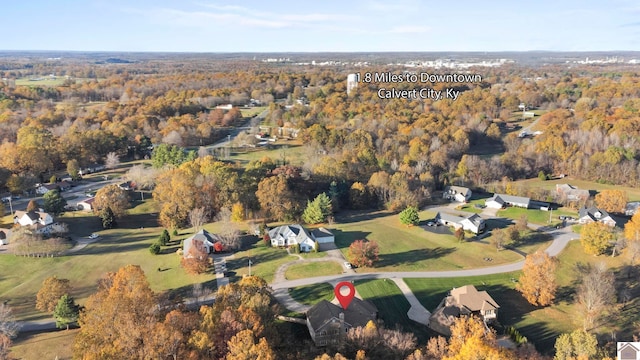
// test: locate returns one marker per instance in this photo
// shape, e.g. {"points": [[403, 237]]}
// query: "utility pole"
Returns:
{"points": [[10, 206], [250, 262]]}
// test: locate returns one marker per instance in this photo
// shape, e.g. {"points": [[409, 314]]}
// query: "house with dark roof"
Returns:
{"points": [[32, 218], [322, 236], [593, 214], [202, 240], [498, 201], [470, 222], [457, 193], [463, 301], [287, 235], [328, 323], [45, 188]]}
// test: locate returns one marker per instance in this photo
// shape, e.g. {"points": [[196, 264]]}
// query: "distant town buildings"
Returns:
{"points": [[352, 83]]}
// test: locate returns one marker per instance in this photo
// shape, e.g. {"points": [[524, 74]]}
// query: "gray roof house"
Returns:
{"points": [[457, 193], [571, 193], [463, 301], [328, 323], [593, 214], [498, 201], [470, 222], [203, 240], [287, 235], [631, 208]]}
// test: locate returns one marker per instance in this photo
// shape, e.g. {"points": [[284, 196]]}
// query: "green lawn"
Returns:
{"points": [[265, 261], [47, 81], [311, 269], [46, 345], [127, 244], [536, 216], [312, 294], [469, 208], [634, 193], [405, 248], [252, 111], [392, 305], [290, 151]]}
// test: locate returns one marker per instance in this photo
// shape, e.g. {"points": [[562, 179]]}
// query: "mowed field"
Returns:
{"points": [[47, 81], [128, 244], [634, 193], [404, 248]]}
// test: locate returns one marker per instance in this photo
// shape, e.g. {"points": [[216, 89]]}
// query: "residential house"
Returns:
{"points": [[463, 301], [592, 214], [39, 221], [457, 193], [202, 240], [42, 189], [470, 222], [322, 236], [86, 204], [328, 323], [287, 235], [571, 193], [632, 208], [498, 201]]}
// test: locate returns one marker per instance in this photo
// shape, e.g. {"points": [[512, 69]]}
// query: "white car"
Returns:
{"points": [[94, 236], [431, 223], [348, 265]]}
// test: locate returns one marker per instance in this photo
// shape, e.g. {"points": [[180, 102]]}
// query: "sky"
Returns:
{"points": [[319, 26]]}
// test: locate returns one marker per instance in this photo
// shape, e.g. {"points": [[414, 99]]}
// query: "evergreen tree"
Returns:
{"points": [[164, 238], [409, 216], [317, 210], [53, 202], [154, 248], [66, 312], [108, 218]]}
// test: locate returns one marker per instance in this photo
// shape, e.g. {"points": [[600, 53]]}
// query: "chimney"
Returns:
{"points": [[343, 330]]}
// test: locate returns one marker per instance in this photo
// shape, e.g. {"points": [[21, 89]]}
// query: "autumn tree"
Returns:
{"points": [[595, 293], [32, 206], [112, 160], [276, 199], [614, 201], [470, 340], [318, 210], [379, 342], [243, 346], [196, 261], [578, 344], [409, 216], [197, 218], [522, 223], [237, 212], [9, 328], [54, 203], [66, 312], [459, 234], [143, 177], [73, 169], [537, 282], [363, 253], [632, 228], [50, 292], [229, 232], [112, 197], [596, 238], [124, 304]]}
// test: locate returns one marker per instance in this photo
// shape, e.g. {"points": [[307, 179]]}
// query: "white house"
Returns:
{"points": [[202, 240], [593, 214], [498, 201], [471, 222], [32, 218], [287, 235], [632, 208], [457, 193]]}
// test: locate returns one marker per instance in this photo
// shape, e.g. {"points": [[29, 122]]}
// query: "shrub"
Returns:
{"points": [[154, 248]]}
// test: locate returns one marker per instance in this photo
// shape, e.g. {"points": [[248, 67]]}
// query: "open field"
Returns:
{"points": [[538, 217], [634, 193], [305, 270], [313, 294], [392, 305], [252, 111], [405, 248], [127, 244], [47, 345], [265, 260], [47, 81], [291, 151]]}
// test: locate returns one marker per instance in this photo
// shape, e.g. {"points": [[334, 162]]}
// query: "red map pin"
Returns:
{"points": [[345, 300]]}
